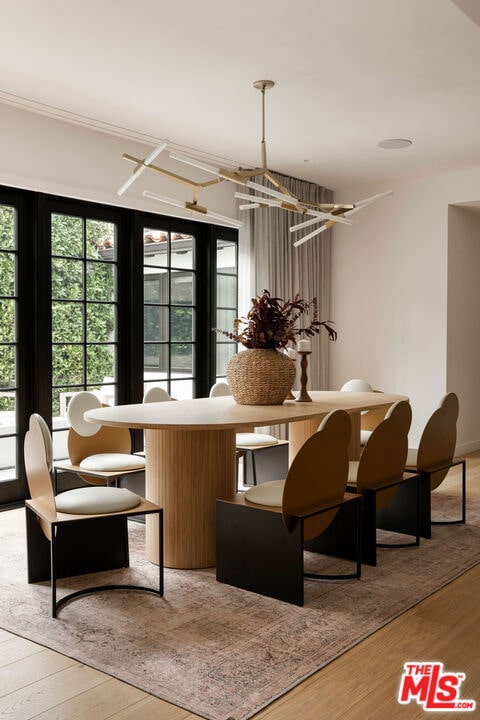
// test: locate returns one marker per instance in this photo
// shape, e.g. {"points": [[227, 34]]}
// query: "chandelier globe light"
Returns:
{"points": [[318, 216]]}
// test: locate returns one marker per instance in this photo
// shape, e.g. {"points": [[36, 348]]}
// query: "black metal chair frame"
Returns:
{"points": [[256, 551], [97, 533]]}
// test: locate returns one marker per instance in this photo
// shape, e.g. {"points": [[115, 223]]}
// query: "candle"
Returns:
{"points": [[304, 346], [292, 354]]}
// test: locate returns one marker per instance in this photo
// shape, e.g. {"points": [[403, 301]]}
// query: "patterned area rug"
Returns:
{"points": [[215, 650]]}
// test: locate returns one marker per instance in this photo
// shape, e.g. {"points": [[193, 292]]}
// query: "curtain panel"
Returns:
{"points": [[285, 270]]}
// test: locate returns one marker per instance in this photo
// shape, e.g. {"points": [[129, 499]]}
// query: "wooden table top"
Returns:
{"points": [[223, 413]]}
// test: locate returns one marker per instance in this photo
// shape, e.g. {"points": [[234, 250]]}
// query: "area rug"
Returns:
{"points": [[218, 651]]}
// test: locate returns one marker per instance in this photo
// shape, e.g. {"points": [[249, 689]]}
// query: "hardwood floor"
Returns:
{"points": [[362, 683]]}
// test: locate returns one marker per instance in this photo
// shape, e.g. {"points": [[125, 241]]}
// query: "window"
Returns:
{"points": [[103, 299], [226, 310], [8, 342], [169, 281], [84, 311]]}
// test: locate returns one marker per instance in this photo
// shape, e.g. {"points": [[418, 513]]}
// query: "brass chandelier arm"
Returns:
{"points": [[172, 175]]}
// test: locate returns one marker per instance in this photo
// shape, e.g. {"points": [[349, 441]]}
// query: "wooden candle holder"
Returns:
{"points": [[303, 395]]}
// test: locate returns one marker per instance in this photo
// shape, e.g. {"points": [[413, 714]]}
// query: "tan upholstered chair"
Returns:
{"points": [[432, 461], [79, 531], [261, 533], [100, 455], [271, 453], [377, 476], [434, 457]]}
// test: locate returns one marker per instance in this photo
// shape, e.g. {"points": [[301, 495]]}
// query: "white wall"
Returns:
{"points": [[463, 316], [390, 295], [59, 157]]}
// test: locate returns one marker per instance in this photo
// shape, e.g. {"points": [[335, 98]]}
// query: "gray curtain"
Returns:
{"points": [[285, 270]]}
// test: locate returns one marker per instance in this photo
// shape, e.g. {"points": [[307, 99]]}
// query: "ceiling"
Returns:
{"points": [[348, 74]]}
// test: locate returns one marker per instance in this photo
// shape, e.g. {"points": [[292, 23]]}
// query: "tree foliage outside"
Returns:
{"points": [[83, 309]]}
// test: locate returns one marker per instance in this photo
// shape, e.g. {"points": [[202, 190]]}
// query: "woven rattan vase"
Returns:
{"points": [[260, 377]]}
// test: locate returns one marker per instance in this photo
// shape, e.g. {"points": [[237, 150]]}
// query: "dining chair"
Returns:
{"points": [[432, 460], [265, 457], [261, 533], [79, 531], [377, 476], [100, 455]]}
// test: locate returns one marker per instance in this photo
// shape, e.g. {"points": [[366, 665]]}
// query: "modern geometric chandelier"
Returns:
{"points": [[318, 216]]}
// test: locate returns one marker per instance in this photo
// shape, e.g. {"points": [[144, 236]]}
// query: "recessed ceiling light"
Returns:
{"points": [[394, 144]]}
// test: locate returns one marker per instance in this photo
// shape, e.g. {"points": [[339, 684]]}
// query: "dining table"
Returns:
{"points": [[190, 455]]}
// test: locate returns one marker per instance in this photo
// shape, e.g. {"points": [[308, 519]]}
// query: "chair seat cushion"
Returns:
{"points": [[254, 440], [269, 493], [352, 472], [364, 435], [96, 500], [412, 458], [111, 462]]}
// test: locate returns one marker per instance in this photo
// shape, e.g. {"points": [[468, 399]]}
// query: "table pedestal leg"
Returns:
{"points": [[186, 470], [299, 432]]}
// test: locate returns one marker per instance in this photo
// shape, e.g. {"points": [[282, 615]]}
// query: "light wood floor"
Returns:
{"points": [[361, 684]]}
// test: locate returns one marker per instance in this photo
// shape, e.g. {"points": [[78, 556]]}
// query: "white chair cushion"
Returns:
{"points": [[412, 458], [353, 471], [254, 440], [156, 394], [364, 435], [96, 500], [111, 462], [269, 493]]}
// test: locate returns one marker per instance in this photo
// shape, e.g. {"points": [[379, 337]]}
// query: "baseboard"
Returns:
{"points": [[468, 447]]}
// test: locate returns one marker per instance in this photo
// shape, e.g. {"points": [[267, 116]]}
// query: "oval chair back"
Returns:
{"points": [[219, 389], [385, 453], [439, 438], [39, 480], [155, 393], [318, 474], [86, 438]]}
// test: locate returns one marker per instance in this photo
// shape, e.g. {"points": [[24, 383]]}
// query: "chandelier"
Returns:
{"points": [[318, 216]]}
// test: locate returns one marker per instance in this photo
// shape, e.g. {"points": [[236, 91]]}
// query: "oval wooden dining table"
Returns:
{"points": [[190, 457]]}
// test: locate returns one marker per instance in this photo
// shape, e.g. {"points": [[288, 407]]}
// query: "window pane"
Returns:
{"points": [[183, 247], [67, 364], [67, 235], [7, 324], [181, 359], [182, 288], [67, 279], [7, 227], [100, 323], [225, 320], [155, 357], [155, 324], [7, 457], [7, 274], [67, 322], [100, 281], [227, 291], [182, 324], [155, 247], [226, 257], [155, 286], [7, 407], [100, 240], [181, 389], [224, 353], [100, 363], [7, 365]]}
